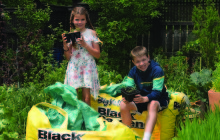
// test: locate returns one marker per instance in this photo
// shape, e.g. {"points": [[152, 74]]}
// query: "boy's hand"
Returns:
{"points": [[140, 99]]}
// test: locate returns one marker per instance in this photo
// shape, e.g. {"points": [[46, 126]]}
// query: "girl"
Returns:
{"points": [[81, 70]]}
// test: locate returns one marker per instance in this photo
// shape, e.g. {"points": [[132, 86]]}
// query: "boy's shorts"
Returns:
{"points": [[143, 106]]}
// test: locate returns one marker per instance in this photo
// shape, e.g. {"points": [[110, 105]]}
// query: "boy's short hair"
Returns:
{"points": [[138, 51]]}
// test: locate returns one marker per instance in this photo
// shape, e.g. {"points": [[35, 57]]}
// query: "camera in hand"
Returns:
{"points": [[72, 36]]}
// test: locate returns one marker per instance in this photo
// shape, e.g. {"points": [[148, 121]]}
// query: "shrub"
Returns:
{"points": [[216, 78], [200, 83], [118, 25], [206, 29]]}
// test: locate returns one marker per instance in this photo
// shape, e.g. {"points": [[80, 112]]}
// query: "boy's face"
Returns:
{"points": [[141, 62]]}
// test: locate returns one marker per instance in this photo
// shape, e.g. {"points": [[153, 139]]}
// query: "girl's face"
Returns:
{"points": [[79, 21], [141, 62]]}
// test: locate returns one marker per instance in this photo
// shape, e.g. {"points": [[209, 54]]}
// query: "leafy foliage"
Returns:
{"points": [[15, 3], [58, 2], [200, 129], [30, 19], [106, 75], [200, 83], [119, 22], [216, 78], [206, 29], [14, 109], [176, 74], [34, 48], [31, 65]]}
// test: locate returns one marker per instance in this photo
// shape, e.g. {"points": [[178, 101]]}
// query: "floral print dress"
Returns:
{"points": [[81, 70]]}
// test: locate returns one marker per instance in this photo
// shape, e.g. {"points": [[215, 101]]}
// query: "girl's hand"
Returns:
{"points": [[81, 41], [64, 38], [140, 99], [65, 47]]}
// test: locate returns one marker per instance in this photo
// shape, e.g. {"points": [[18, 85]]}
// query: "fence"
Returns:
{"points": [[173, 28]]}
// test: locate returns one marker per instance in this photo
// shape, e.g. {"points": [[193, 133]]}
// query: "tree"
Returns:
{"points": [[206, 29], [21, 3], [119, 22], [33, 49]]}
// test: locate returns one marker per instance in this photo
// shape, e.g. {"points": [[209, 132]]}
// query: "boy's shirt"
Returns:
{"points": [[150, 82]]}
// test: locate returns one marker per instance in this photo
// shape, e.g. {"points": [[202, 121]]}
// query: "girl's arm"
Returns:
{"points": [[67, 50], [94, 50]]}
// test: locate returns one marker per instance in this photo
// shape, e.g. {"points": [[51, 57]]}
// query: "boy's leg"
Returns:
{"points": [[125, 109], [86, 95], [153, 108]]}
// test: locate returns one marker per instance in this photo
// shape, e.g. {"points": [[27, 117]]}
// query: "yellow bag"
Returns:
{"points": [[36, 119], [38, 127], [109, 108]]}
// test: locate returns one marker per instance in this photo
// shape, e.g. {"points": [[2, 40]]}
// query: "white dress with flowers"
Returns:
{"points": [[81, 70]]}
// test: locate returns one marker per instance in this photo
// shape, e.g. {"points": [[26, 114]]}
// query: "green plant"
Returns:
{"points": [[182, 113], [34, 51], [119, 23], [200, 129], [16, 108], [200, 83], [32, 44], [3, 124], [206, 29], [216, 78], [175, 69], [16, 102], [106, 75], [129, 93], [15, 3]]}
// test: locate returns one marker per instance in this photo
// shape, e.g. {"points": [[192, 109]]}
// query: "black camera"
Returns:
{"points": [[72, 36]]}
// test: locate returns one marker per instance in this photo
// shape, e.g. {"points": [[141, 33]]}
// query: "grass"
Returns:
{"points": [[201, 129]]}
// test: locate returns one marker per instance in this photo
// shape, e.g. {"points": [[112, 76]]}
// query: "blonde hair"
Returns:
{"points": [[138, 51]]}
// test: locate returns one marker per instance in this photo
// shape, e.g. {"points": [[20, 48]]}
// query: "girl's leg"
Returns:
{"points": [[86, 95], [125, 109]]}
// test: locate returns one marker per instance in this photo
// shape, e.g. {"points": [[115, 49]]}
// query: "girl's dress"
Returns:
{"points": [[81, 70]]}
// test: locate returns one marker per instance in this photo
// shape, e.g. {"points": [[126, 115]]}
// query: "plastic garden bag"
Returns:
{"points": [[40, 128], [114, 90], [37, 119], [109, 108], [80, 115]]}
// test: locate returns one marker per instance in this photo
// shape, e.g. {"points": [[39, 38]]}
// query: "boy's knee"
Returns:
{"points": [[154, 105], [123, 106], [127, 107]]}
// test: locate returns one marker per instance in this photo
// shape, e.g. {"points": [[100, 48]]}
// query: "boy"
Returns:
{"points": [[148, 77]]}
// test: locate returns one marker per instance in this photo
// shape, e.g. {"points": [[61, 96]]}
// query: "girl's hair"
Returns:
{"points": [[82, 11], [138, 51]]}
